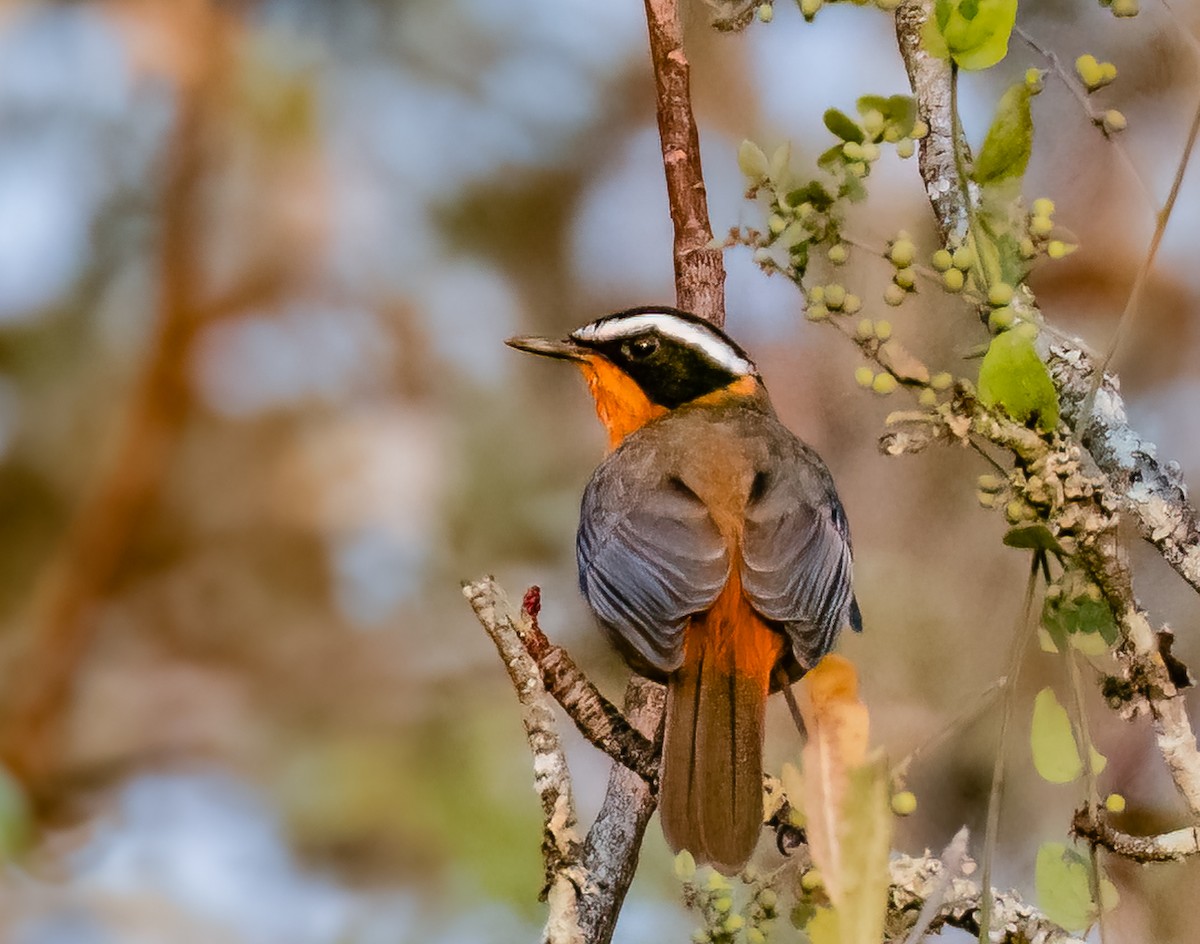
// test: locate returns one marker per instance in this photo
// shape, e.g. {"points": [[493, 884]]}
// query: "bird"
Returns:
{"points": [[713, 550]]}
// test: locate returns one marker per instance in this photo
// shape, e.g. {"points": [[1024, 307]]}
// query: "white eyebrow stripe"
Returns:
{"points": [[691, 334]]}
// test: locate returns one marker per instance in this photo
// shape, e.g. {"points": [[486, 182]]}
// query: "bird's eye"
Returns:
{"points": [[641, 348]]}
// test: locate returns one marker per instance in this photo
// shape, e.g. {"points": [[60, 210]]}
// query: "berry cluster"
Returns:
{"points": [[713, 897]]}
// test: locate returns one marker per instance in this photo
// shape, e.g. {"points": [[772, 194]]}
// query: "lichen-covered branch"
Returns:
{"points": [[561, 844], [1165, 847], [1150, 490]]}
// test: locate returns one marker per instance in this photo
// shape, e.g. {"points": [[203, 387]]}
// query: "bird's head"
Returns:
{"points": [[642, 363]]}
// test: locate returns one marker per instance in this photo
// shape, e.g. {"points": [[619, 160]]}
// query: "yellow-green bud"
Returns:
{"points": [[894, 295], [733, 924], [835, 295], [1002, 318], [810, 7], [986, 499], [864, 376], [1014, 511], [1114, 803], [766, 12], [816, 294], [776, 224], [905, 279], [1041, 225], [1027, 248], [1125, 7], [870, 152], [853, 150], [953, 280], [942, 260], [1088, 69], [811, 880], [1113, 121], [857, 169], [1000, 294], [852, 304], [883, 330], [723, 904], [920, 129], [904, 803], [905, 148], [865, 329], [838, 254], [1057, 249], [685, 866], [1028, 330], [873, 121], [1035, 79], [1043, 206], [927, 397], [902, 253], [1108, 72], [883, 384], [755, 936], [963, 258], [816, 313], [768, 899], [941, 381], [716, 882], [991, 483]]}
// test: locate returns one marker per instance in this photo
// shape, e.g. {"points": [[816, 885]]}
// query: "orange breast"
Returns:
{"points": [[620, 402]]}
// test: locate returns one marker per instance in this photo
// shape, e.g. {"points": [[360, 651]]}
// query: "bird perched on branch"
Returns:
{"points": [[712, 548]]}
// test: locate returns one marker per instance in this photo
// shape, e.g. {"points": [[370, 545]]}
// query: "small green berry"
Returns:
{"points": [[865, 329], [953, 280], [864, 377], [1114, 803], [905, 279], [1000, 294], [766, 12], [873, 122], [835, 296], [964, 258], [852, 305], [902, 253], [1113, 121], [1057, 249], [685, 866], [884, 384], [942, 260], [1043, 206], [1041, 225], [883, 330], [927, 397], [941, 381], [894, 295], [838, 254], [905, 148], [904, 803], [1002, 318]]}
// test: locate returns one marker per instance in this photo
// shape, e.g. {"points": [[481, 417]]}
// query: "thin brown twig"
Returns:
{"points": [[1171, 846]]}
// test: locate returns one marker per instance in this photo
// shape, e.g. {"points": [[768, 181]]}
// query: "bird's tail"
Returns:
{"points": [[711, 794]]}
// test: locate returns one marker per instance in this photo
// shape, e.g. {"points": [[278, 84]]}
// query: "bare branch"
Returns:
{"points": [[561, 847], [699, 268], [1165, 847]]}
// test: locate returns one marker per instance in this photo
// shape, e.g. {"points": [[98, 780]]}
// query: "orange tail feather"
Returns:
{"points": [[711, 794]]}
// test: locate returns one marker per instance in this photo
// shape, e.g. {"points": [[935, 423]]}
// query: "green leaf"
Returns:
{"points": [[1055, 753], [843, 126], [974, 33], [831, 158], [1036, 537], [812, 192], [873, 103], [1013, 377], [1064, 887], [752, 160], [1006, 149], [902, 111]]}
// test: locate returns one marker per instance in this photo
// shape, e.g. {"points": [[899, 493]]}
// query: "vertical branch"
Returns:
{"points": [[62, 619], [699, 269]]}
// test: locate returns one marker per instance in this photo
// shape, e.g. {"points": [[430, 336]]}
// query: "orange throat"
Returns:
{"points": [[620, 402]]}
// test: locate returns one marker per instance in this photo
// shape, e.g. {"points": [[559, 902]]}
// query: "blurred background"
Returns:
{"points": [[257, 422]]}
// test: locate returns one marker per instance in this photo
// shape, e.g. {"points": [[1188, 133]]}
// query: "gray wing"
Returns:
{"points": [[650, 556], [796, 555]]}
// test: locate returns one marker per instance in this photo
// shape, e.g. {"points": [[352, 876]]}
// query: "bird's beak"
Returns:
{"points": [[564, 348]]}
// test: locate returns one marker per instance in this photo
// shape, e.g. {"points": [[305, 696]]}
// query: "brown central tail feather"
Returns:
{"points": [[711, 795]]}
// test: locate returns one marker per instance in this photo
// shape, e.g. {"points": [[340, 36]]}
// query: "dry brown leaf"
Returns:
{"points": [[838, 729]]}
